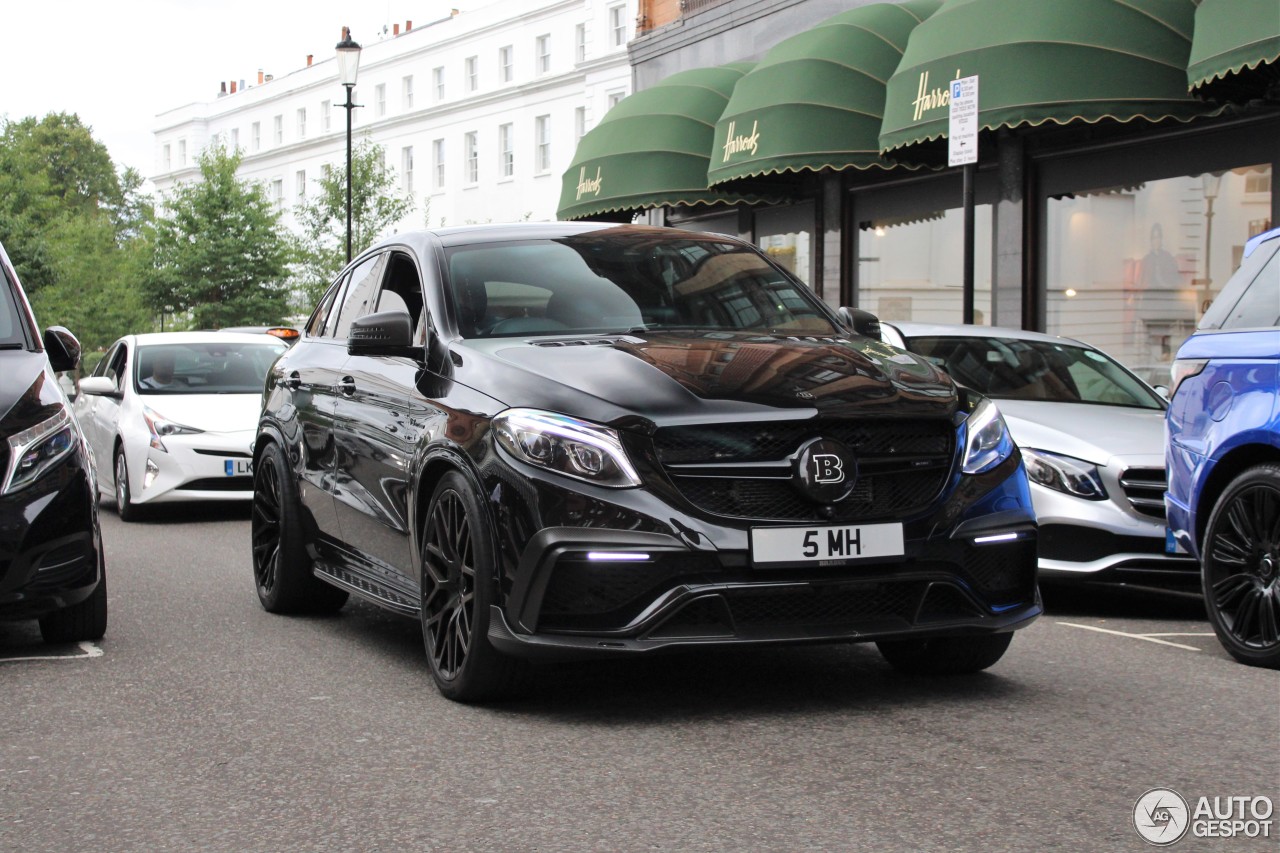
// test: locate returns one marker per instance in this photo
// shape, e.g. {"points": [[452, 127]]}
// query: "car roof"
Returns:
{"points": [[152, 338], [1257, 241], [960, 330], [495, 233]]}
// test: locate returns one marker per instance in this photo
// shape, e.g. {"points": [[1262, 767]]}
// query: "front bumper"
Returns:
{"points": [[207, 466], [687, 580], [49, 543]]}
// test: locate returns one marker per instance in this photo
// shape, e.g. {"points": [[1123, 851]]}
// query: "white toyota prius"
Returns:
{"points": [[171, 417]]}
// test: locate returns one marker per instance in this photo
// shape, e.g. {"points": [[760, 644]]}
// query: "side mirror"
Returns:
{"points": [[1162, 390], [98, 386], [62, 348], [383, 333], [863, 322]]}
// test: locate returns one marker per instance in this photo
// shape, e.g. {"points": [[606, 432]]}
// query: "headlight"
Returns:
{"points": [[160, 427], [34, 451], [567, 446], [986, 442], [1064, 474]]}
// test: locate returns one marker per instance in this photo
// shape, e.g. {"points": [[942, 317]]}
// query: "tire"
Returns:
{"points": [[1240, 567], [86, 621], [125, 507], [281, 568], [459, 583], [945, 655]]}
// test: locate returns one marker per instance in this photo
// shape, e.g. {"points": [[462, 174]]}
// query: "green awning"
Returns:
{"points": [[1043, 61], [1235, 54], [652, 149], [816, 100]]}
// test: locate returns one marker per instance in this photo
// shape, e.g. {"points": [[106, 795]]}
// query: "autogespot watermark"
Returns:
{"points": [[1163, 817]]}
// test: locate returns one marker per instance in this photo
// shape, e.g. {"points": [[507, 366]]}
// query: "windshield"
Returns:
{"points": [[1014, 369], [615, 281], [204, 368]]}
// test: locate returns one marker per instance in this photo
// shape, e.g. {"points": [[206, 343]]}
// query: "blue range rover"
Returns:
{"points": [[1223, 455]]}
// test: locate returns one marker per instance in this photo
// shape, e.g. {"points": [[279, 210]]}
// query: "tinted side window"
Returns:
{"points": [[115, 364], [315, 326], [105, 361], [402, 289], [359, 298], [1259, 305]]}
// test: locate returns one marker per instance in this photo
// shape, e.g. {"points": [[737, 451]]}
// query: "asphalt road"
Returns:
{"points": [[202, 722]]}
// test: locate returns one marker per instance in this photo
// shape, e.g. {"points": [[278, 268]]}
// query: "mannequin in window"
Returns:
{"points": [[161, 373], [1159, 269]]}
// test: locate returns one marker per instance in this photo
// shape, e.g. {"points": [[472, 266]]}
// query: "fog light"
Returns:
{"points": [[153, 471]]}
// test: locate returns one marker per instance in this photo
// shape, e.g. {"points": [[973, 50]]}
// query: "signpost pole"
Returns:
{"points": [[962, 150]]}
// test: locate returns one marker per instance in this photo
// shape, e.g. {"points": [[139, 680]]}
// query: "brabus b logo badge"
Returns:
{"points": [[828, 469]]}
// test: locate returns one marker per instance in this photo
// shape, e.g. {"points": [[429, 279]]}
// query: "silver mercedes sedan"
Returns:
{"points": [[1092, 436]]}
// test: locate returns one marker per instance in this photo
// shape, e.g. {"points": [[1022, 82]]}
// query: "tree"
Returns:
{"points": [[220, 252], [376, 205]]}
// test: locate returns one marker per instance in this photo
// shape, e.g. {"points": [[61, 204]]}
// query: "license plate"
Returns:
{"points": [[238, 467], [1171, 545], [834, 545]]}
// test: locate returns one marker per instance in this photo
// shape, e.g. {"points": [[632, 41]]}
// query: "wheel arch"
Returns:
{"points": [[1226, 469], [434, 464]]}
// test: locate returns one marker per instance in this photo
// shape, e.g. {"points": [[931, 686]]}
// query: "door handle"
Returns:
{"points": [[293, 381], [346, 386]]}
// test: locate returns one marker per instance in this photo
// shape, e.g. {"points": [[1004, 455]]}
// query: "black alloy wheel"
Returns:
{"points": [[1241, 571], [282, 570], [458, 587]]}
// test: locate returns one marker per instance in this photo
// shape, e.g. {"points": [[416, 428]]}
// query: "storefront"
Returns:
{"points": [[1127, 155]]}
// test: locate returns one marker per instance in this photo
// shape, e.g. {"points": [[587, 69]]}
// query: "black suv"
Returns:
{"points": [[578, 438], [51, 563]]}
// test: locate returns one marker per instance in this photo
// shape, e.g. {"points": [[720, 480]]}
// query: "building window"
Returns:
{"points": [[437, 82], [182, 153], [506, 156], [505, 69], [580, 43], [302, 123], [437, 163], [277, 193], [614, 98], [326, 116], [579, 124], [235, 139], [255, 135], [164, 158], [618, 25], [406, 169], [380, 100], [277, 130], [471, 154], [300, 184], [473, 73], [406, 92], [542, 153], [1132, 268], [543, 54]]}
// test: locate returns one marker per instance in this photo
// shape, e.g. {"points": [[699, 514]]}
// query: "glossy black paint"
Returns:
{"points": [[369, 436]]}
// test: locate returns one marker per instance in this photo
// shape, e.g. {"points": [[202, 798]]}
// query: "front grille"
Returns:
{"points": [[1145, 487], [219, 484], [1005, 571], [903, 465], [228, 454]]}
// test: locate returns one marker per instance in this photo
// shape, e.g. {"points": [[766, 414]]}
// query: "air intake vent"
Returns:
{"points": [[1145, 487]]}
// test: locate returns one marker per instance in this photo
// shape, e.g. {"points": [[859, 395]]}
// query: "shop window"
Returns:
{"points": [[785, 234], [1131, 269], [911, 267]]}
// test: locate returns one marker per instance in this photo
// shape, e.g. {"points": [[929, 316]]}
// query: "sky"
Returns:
{"points": [[118, 64]]}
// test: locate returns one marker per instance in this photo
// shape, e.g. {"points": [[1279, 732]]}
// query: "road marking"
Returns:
{"points": [[1148, 638], [90, 651], [1187, 634]]}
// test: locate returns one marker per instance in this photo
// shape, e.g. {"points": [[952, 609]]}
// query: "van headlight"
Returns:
{"points": [[568, 446], [986, 438], [37, 449]]}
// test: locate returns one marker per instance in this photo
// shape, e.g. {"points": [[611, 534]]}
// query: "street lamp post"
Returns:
{"points": [[348, 67]]}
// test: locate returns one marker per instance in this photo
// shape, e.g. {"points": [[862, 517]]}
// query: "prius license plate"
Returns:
{"points": [[238, 467], [776, 546]]}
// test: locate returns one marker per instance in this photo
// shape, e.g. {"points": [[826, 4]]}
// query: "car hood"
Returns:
{"points": [[690, 377], [207, 412], [1090, 432]]}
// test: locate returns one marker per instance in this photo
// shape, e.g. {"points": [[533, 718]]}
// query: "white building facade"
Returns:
{"points": [[478, 114]]}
